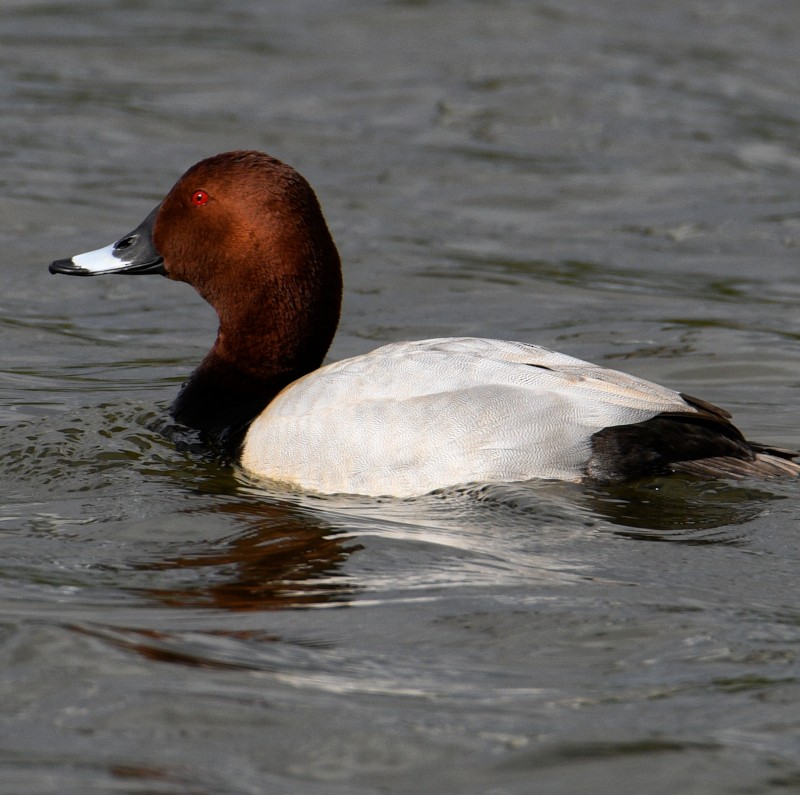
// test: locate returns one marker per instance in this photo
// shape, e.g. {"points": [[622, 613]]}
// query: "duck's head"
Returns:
{"points": [[247, 232], [229, 223]]}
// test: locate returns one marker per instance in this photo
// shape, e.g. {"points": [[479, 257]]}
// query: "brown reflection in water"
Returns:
{"points": [[154, 775], [287, 558], [183, 648]]}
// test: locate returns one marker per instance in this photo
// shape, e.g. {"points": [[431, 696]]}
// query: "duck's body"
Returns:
{"points": [[407, 418], [414, 416]]}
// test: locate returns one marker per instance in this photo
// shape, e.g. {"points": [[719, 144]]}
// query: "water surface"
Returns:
{"points": [[616, 181]]}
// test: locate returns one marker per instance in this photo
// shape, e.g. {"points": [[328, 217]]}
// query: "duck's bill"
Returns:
{"points": [[134, 253]]}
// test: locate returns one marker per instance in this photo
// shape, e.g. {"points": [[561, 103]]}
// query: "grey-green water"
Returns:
{"points": [[617, 180]]}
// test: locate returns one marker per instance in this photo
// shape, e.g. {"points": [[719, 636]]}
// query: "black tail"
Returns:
{"points": [[703, 442]]}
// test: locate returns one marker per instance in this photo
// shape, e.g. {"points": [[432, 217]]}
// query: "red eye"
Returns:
{"points": [[199, 198]]}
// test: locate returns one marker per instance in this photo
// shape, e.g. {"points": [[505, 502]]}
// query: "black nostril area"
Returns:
{"points": [[125, 242]]}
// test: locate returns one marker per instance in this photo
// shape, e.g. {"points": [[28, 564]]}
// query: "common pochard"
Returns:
{"points": [[246, 231]]}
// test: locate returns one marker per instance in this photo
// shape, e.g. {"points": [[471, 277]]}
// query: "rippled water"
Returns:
{"points": [[616, 180]]}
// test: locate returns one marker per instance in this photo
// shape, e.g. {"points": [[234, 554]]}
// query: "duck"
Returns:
{"points": [[246, 230]]}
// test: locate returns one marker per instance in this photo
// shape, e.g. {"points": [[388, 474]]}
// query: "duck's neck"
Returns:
{"points": [[269, 336]]}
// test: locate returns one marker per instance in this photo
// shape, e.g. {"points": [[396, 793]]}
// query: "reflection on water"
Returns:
{"points": [[680, 508], [284, 559], [292, 553], [202, 650]]}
